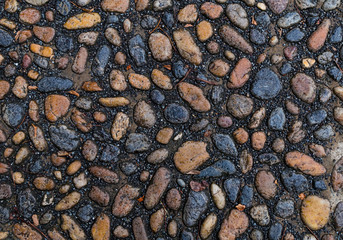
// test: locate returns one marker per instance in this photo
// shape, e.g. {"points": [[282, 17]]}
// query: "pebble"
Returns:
{"points": [[63, 7], [234, 39], [5, 38], [294, 182], [258, 139], [240, 106], [218, 196], [195, 206], [173, 199], [121, 232], [187, 46], [275, 231], [112, 35], [119, 6], [101, 228], [324, 133], [257, 37], [240, 74], [119, 127], [211, 10], [194, 96], [277, 119], [266, 84], [23, 231], [304, 163], [157, 187], [317, 39], [101, 60], [68, 201], [137, 50], [208, 225], [237, 15], [225, 144], [190, 156], [175, 113], [99, 196], [144, 115], [105, 174], [204, 30], [295, 35], [139, 81], [234, 225], [114, 101], [277, 7], [284, 208], [219, 68], [188, 14], [315, 212], [158, 156], [304, 87], [88, 38], [260, 214], [265, 184], [82, 21], [224, 121], [79, 65], [56, 106], [13, 114], [138, 228], [164, 135], [70, 226], [64, 138], [160, 46]]}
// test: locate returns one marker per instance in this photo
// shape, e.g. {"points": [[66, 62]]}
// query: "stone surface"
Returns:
{"points": [[235, 224], [187, 46], [315, 212], [304, 163]]}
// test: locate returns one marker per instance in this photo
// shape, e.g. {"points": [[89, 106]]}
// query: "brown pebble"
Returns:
{"points": [[241, 136], [173, 199], [258, 140], [99, 196]]}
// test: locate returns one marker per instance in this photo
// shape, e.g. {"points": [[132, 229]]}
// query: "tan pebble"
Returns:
{"points": [[8, 23], [79, 65], [204, 30], [8, 152], [30, 16], [34, 110], [44, 183], [20, 87], [315, 212], [18, 137], [41, 50], [46, 34], [101, 228], [68, 201], [164, 135], [58, 175], [139, 81], [235, 224], [22, 154], [188, 14], [112, 35], [73, 167], [49, 15], [37, 137], [18, 178], [194, 96], [245, 161], [120, 232], [208, 225], [119, 6], [33, 74], [56, 106], [218, 196], [157, 220], [114, 101], [172, 228], [120, 58], [127, 25], [304, 163], [88, 38], [144, 176], [308, 62], [23, 36], [74, 230], [82, 20], [258, 140], [100, 117], [11, 6], [161, 80], [64, 189], [91, 87], [117, 80], [80, 181], [23, 231], [120, 125], [187, 47], [241, 136]]}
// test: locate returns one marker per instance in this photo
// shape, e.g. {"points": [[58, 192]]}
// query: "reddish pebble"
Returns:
{"points": [[224, 121]]}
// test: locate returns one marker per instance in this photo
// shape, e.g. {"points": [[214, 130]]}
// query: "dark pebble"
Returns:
{"points": [[219, 168], [110, 154], [217, 94], [266, 84], [137, 50], [112, 19], [338, 216], [195, 206], [27, 203], [277, 119], [225, 144], [13, 114], [64, 138], [286, 68], [316, 117], [294, 182], [148, 22], [275, 231], [41, 62], [324, 133], [64, 43], [284, 208], [262, 19], [37, 166], [5, 38], [4, 214], [50, 84], [257, 37], [336, 36], [168, 19], [63, 7], [101, 60], [185, 235], [85, 213], [320, 185], [295, 35], [268, 158], [335, 73], [128, 168], [5, 191], [247, 196], [157, 96], [179, 69], [231, 187], [199, 125], [175, 113], [137, 142]]}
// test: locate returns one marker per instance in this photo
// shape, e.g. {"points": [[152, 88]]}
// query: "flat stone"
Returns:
{"points": [[225, 144], [188, 14], [324, 133], [101, 60], [204, 30], [68, 201], [56, 106], [13, 114], [317, 39], [338, 215], [160, 46], [144, 115], [305, 4], [266, 85], [137, 50], [6, 38], [119, 127], [211, 10], [138, 228], [294, 182], [190, 156], [289, 20], [25, 232], [119, 6], [265, 184], [337, 175], [46, 34], [240, 74], [161, 79], [51, 84], [284, 208], [219, 168], [175, 113], [74, 230], [237, 15], [277, 6], [260, 214], [277, 119], [105, 174], [240, 106], [101, 228], [139, 81], [30, 16]]}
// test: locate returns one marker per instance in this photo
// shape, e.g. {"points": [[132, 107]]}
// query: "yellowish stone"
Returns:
{"points": [[315, 212], [41, 50], [83, 20], [8, 23]]}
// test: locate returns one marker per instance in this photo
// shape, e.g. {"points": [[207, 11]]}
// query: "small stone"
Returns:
{"points": [[265, 184], [218, 196], [158, 156], [211, 10], [284, 208], [187, 46], [157, 187], [324, 133], [144, 115], [175, 113], [99, 196], [295, 35], [224, 121], [24, 231], [258, 139], [208, 225], [120, 232], [204, 30], [13, 114], [161, 80], [138, 228], [304, 163], [88, 38], [219, 68], [105, 174], [317, 39], [119, 6], [173, 199], [315, 212], [188, 14], [233, 38], [234, 225], [275, 231], [240, 74], [114, 101], [294, 182], [240, 106], [137, 50], [266, 85], [44, 183], [157, 220], [139, 81], [237, 15], [304, 87], [82, 20], [194, 96], [257, 118], [277, 7], [278, 145], [195, 206], [64, 138], [277, 119], [101, 228], [160, 46], [68, 201], [74, 230], [245, 161], [30, 16], [260, 214], [56, 106], [305, 4], [112, 35], [164, 135]]}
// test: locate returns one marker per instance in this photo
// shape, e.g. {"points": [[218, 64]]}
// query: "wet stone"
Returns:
{"points": [[50, 84], [247, 196], [337, 35], [257, 37], [237, 15], [294, 181], [240, 106], [175, 113], [27, 203], [64, 138], [266, 85], [225, 144], [196, 205], [101, 59], [316, 117], [13, 114], [231, 187], [137, 50], [110, 153], [277, 119], [295, 35], [324, 133], [5, 38], [275, 231], [137, 142], [219, 168], [284, 208], [157, 96], [63, 7], [85, 213]]}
